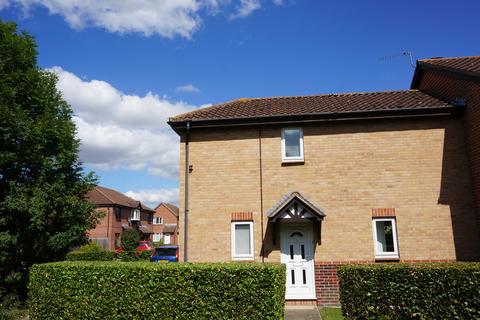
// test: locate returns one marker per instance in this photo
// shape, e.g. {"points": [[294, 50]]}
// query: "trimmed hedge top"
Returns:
{"points": [[410, 291], [143, 290]]}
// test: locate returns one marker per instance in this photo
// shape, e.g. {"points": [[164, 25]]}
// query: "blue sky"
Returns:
{"points": [[111, 58]]}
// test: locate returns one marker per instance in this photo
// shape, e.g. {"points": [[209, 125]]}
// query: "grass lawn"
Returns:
{"points": [[331, 314]]}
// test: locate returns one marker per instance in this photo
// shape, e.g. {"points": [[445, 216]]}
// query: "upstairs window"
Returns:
{"points": [[242, 240], [157, 220], [292, 145], [118, 213], [385, 238], [135, 215]]}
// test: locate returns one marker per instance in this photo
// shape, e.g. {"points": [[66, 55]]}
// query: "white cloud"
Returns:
{"points": [[245, 8], [118, 131], [167, 18], [278, 2], [3, 4], [188, 88], [153, 197]]}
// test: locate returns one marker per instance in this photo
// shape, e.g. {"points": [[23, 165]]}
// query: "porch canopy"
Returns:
{"points": [[294, 207]]}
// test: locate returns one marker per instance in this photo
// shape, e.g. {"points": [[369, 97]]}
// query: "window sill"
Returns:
{"points": [[288, 161], [387, 258], [243, 258]]}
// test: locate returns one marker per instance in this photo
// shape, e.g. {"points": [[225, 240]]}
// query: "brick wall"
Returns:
{"points": [[327, 284], [417, 166], [449, 86]]}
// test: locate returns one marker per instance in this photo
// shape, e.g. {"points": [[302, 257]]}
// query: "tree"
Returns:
{"points": [[130, 238], [43, 210]]}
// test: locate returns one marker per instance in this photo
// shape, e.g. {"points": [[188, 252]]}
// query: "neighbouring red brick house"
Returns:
{"points": [[121, 212], [320, 181], [165, 224]]}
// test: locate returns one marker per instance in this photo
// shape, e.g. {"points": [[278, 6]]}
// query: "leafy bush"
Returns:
{"points": [[91, 252], [145, 255], [157, 244], [413, 291], [11, 307], [135, 256], [141, 290], [130, 238]]}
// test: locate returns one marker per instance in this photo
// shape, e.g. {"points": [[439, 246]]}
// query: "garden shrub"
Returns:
{"points": [[135, 255], [130, 238], [145, 255], [144, 290], [410, 291], [90, 252]]}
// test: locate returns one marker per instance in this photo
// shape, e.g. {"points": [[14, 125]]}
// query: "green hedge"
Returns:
{"points": [[413, 291], [91, 252], [143, 290], [90, 256]]}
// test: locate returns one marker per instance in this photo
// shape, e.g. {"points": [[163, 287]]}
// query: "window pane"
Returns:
{"points": [[292, 142], [242, 239], [384, 236]]}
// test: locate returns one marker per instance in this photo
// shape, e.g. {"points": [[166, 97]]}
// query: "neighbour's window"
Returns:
{"points": [[292, 145], [157, 220], [242, 240], [157, 237], [118, 213], [385, 237], [135, 215]]}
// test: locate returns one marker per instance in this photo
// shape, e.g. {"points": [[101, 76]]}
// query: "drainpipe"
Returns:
{"points": [[185, 226], [262, 253]]}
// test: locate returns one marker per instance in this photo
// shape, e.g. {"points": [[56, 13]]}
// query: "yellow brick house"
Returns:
{"points": [[323, 180]]}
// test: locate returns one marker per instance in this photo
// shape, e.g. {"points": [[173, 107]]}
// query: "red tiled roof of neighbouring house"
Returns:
{"points": [[173, 208], [466, 65], [328, 105], [105, 196]]}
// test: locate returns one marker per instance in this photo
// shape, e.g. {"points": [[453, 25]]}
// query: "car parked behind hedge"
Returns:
{"points": [[165, 253]]}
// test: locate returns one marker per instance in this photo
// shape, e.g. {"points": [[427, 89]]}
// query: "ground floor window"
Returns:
{"points": [[157, 237], [385, 238], [242, 240]]}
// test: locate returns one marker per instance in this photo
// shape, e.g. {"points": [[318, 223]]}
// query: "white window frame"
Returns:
{"points": [[135, 216], [284, 156], [385, 255], [236, 256], [155, 220], [160, 237]]}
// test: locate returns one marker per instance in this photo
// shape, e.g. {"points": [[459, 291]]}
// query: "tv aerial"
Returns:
{"points": [[401, 54]]}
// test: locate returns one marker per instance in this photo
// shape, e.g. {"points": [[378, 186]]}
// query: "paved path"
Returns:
{"points": [[301, 313]]}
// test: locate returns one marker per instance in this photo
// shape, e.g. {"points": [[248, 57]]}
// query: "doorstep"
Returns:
{"points": [[301, 312]]}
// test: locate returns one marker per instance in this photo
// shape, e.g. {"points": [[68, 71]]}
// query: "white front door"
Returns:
{"points": [[296, 248], [166, 239]]}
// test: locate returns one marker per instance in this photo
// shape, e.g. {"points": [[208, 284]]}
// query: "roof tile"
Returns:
{"points": [[468, 65], [105, 196], [313, 105]]}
